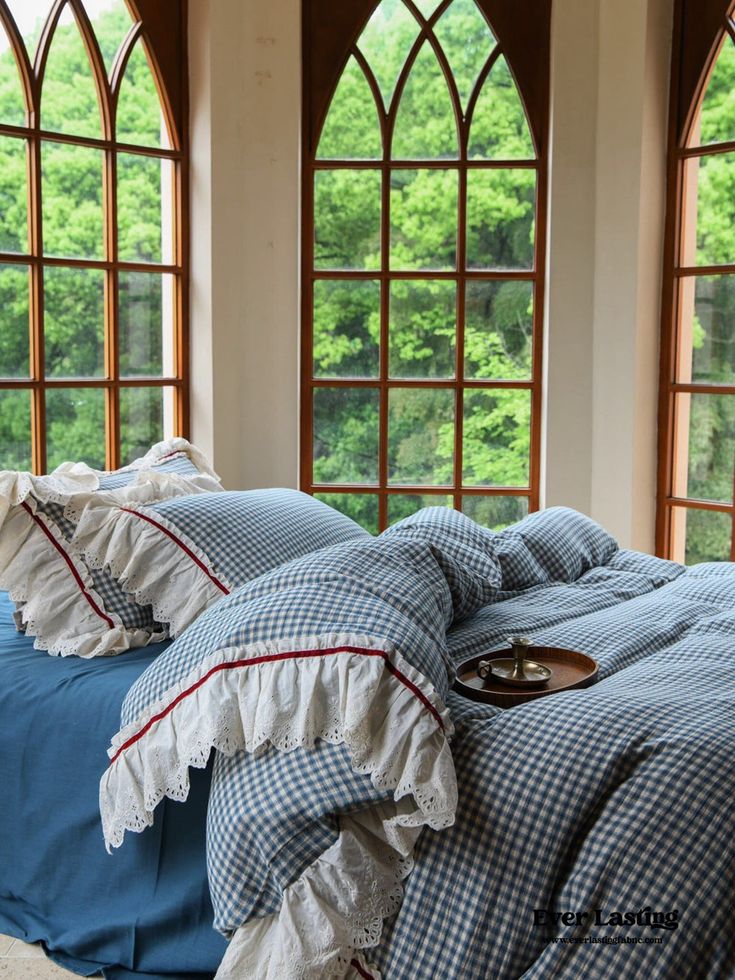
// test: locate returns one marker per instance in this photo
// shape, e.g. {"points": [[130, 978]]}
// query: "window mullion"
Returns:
{"points": [[38, 359], [112, 358]]}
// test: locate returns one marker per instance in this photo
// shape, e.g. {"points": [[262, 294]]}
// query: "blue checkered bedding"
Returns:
{"points": [[609, 807]]}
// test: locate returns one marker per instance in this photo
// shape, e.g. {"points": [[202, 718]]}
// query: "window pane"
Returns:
{"points": [[13, 195], [145, 226], [139, 116], [72, 200], [386, 42], [29, 19], [74, 322], [495, 512], [700, 535], [467, 41], [427, 7], [361, 507], [402, 505], [111, 21], [146, 329], [423, 316], [425, 126], [705, 447], [146, 416], [69, 102], [420, 436], [717, 118], [352, 129], [12, 102], [14, 325], [496, 438], [498, 341], [499, 128], [501, 206], [707, 334], [346, 435], [346, 329], [15, 430], [75, 426], [711, 181], [347, 219], [423, 219]]}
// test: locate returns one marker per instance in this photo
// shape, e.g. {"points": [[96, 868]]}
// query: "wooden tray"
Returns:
{"points": [[571, 670]]}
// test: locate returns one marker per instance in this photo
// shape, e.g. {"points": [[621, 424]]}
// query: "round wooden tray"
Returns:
{"points": [[570, 670]]}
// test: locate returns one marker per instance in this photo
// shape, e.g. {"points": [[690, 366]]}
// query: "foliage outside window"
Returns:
{"points": [[91, 359], [697, 510], [422, 301]]}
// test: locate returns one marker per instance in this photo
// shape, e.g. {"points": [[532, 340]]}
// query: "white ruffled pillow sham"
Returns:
{"points": [[68, 607]]}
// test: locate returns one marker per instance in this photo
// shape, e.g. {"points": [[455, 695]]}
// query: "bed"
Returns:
{"points": [[593, 833]]}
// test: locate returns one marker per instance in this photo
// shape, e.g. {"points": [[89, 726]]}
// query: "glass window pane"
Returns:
{"points": [[498, 340], [425, 127], [467, 40], [13, 195], [402, 505], [346, 328], [14, 322], [352, 128], [427, 7], [496, 438], [75, 426], [145, 223], [15, 430], [347, 219], [420, 436], [72, 200], [700, 535], [717, 119], [74, 322], [710, 180], [346, 435], [69, 101], [111, 21], [495, 512], [423, 328], [386, 42], [499, 129], [139, 118], [12, 101], [501, 210], [361, 507], [706, 349], [423, 233], [30, 19], [146, 329], [705, 447], [146, 417]]}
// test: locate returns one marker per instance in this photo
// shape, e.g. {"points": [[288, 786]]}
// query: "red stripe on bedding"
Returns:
{"points": [[70, 565], [272, 658], [180, 543], [363, 972]]}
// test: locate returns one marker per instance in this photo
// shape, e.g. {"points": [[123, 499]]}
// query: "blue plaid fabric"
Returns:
{"points": [[246, 533]]}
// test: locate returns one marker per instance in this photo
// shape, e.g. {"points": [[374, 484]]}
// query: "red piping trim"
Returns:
{"points": [[177, 541], [293, 655], [70, 564], [175, 452], [363, 972]]}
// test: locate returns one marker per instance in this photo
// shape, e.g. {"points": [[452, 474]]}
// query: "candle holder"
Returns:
{"points": [[516, 671]]}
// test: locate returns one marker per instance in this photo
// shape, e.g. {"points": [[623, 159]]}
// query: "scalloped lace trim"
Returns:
{"points": [[123, 543]]}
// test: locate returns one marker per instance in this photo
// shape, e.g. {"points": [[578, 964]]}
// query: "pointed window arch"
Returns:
{"points": [[424, 222], [93, 256], [696, 506]]}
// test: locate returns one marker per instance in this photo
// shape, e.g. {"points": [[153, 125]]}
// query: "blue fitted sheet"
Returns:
{"points": [[143, 911]]}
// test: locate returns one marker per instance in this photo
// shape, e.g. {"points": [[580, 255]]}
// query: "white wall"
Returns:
{"points": [[610, 63]]}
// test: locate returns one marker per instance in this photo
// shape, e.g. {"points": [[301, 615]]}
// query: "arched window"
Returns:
{"points": [[92, 242], [424, 213], [697, 422]]}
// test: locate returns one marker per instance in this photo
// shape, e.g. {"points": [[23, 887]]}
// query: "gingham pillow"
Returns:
{"points": [[69, 607], [182, 555]]}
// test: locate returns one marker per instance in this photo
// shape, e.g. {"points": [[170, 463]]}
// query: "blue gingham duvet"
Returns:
{"points": [[592, 833]]}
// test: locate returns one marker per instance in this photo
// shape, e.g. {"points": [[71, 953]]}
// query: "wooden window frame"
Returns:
{"points": [[522, 30], [162, 26], [699, 29]]}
